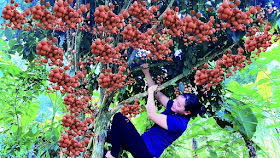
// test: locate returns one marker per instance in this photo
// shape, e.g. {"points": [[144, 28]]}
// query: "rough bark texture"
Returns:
{"points": [[251, 146], [101, 126], [100, 134]]}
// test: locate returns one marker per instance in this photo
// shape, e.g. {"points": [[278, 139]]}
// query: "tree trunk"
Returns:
{"points": [[100, 134], [251, 146], [101, 125]]}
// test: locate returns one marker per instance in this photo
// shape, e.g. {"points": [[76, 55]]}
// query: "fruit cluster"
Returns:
{"points": [[76, 104], [112, 81], [233, 60], [129, 32], [188, 25], [62, 13], [74, 147], [16, 18], [143, 15], [108, 19], [131, 110], [259, 40], [234, 16], [68, 14], [171, 20], [198, 28], [211, 77], [104, 52], [161, 50], [46, 48]]}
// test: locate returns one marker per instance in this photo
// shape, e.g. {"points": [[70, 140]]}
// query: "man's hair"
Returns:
{"points": [[193, 105]]}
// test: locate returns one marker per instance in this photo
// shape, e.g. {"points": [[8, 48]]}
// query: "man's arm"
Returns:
{"points": [[160, 96]]}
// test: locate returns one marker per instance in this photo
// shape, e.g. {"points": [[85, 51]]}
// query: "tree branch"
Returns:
{"points": [[160, 17], [152, 65], [174, 80], [125, 6]]}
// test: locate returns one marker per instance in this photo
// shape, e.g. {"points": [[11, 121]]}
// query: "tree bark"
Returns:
{"points": [[251, 146], [100, 134], [101, 126]]}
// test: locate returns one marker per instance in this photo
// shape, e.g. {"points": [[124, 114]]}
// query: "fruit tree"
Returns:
{"points": [[189, 45]]}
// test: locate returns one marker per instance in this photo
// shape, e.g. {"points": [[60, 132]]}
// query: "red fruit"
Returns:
{"points": [[66, 67], [54, 39], [192, 12], [55, 69], [80, 75], [44, 41], [225, 4], [237, 2], [198, 15], [205, 66]]}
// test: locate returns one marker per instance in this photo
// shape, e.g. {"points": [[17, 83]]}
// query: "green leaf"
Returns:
{"points": [[95, 94], [186, 71], [253, 71], [12, 43], [247, 121], [30, 114], [213, 154], [14, 128], [8, 33], [34, 128], [274, 126]]}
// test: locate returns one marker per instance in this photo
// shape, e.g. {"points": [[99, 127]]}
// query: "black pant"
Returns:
{"points": [[124, 135]]}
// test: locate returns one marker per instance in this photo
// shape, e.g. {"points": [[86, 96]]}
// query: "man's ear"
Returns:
{"points": [[187, 113]]}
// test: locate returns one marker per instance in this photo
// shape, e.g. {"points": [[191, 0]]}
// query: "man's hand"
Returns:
{"points": [[152, 89], [145, 69]]}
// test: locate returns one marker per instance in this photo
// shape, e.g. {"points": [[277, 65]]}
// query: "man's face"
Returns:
{"points": [[179, 105]]}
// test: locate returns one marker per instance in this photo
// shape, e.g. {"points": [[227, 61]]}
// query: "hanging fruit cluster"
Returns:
{"points": [[141, 13], [104, 52], [236, 19], [161, 50], [112, 81], [198, 28], [211, 77], [68, 14], [259, 41], [16, 18], [75, 105], [50, 51], [129, 32], [131, 110], [107, 18], [62, 13], [171, 20], [188, 25], [73, 147]]}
